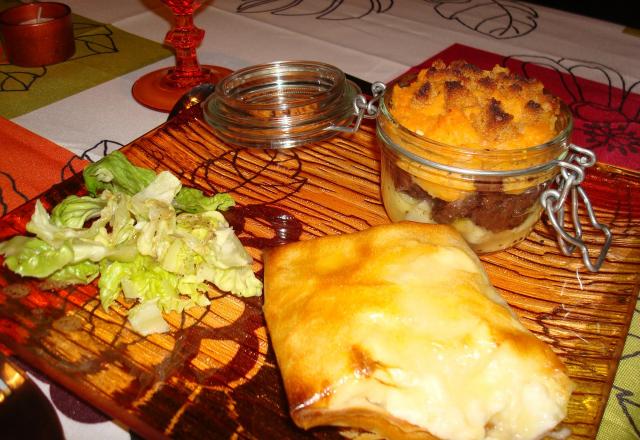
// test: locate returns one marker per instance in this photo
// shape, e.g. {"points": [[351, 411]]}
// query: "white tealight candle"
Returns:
{"points": [[39, 18], [36, 20]]}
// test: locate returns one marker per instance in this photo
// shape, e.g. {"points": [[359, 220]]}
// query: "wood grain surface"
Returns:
{"points": [[215, 376]]}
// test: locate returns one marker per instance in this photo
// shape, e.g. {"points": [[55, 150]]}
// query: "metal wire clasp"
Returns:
{"points": [[363, 109], [568, 182]]}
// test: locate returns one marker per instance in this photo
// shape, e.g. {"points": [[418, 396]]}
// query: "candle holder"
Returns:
{"points": [[37, 34], [161, 89]]}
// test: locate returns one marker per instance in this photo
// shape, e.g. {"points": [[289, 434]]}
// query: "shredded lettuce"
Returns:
{"points": [[144, 235]]}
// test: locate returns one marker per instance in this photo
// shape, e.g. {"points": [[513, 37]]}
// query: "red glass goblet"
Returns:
{"points": [[161, 89]]}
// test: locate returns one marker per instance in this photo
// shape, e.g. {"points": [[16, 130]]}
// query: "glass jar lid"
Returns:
{"points": [[282, 104]]}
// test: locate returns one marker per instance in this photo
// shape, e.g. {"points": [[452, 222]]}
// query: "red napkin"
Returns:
{"points": [[606, 114], [30, 164]]}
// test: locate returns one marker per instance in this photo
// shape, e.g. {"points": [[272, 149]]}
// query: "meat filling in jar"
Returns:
{"points": [[471, 148]]}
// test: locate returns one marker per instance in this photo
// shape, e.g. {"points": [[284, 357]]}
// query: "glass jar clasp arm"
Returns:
{"points": [[553, 200], [363, 108]]}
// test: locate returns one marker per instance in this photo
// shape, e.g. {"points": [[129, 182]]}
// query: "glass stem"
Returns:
{"points": [[185, 37]]}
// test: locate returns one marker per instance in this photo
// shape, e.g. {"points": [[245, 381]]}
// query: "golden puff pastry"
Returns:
{"points": [[397, 330]]}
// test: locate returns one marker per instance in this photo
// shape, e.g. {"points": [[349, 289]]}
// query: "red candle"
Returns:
{"points": [[37, 34]]}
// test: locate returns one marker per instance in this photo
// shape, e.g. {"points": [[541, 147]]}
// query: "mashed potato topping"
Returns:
{"points": [[465, 106]]}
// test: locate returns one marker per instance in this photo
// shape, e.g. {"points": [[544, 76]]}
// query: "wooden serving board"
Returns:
{"points": [[215, 376]]}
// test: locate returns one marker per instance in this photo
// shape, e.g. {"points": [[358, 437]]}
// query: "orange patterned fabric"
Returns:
{"points": [[30, 165]]}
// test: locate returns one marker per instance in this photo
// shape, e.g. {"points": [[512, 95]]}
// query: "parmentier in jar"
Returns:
{"points": [[443, 129]]}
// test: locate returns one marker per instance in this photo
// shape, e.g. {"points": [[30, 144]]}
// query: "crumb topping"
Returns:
{"points": [[462, 105]]}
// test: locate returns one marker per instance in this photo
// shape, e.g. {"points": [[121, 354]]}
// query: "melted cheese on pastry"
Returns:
{"points": [[397, 330]]}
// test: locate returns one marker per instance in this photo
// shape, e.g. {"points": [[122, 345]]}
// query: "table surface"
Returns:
{"points": [[85, 105]]}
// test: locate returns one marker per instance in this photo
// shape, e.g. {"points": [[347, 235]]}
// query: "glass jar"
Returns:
{"points": [[283, 104], [492, 197]]}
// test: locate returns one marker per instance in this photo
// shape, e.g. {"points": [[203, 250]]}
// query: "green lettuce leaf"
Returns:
{"points": [[115, 173], [240, 281], [41, 225], [194, 201], [74, 211], [78, 273], [32, 257]]}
